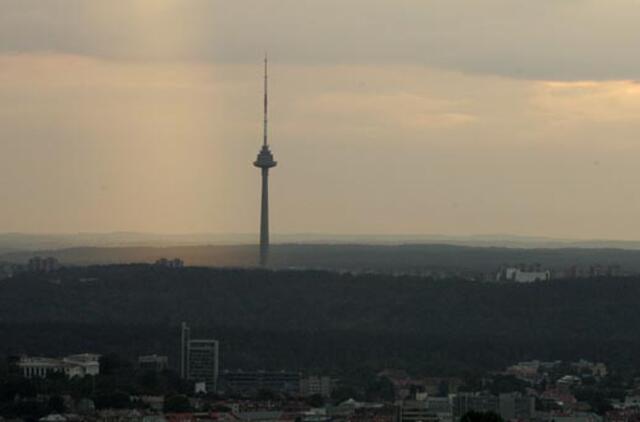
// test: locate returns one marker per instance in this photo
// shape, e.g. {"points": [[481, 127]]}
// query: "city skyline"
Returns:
{"points": [[390, 122], [451, 234]]}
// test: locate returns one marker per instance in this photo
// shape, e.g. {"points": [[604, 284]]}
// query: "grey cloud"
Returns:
{"points": [[541, 39]]}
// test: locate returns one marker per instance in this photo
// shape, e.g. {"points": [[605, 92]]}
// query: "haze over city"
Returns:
{"points": [[412, 117]]}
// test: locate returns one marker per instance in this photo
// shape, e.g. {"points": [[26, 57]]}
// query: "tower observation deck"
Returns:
{"points": [[264, 162]]}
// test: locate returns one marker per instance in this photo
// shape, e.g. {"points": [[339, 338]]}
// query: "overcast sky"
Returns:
{"points": [[387, 117]]}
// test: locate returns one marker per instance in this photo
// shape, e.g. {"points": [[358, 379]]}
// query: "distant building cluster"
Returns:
{"points": [[535, 370], [150, 409], [523, 274], [529, 370], [249, 383], [200, 365], [154, 363], [43, 265], [169, 263], [72, 366], [423, 407], [537, 391], [528, 273], [591, 271], [546, 394], [35, 265], [508, 273], [8, 270]]}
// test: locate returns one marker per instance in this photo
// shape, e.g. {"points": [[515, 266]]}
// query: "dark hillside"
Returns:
{"points": [[286, 318]]}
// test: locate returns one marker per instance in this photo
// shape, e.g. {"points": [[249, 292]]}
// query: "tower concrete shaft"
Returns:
{"points": [[264, 162], [264, 219]]}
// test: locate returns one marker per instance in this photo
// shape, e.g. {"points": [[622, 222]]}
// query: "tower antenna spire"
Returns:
{"points": [[265, 101]]}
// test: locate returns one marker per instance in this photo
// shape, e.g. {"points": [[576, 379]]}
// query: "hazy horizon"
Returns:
{"points": [[311, 233], [410, 118], [40, 241]]}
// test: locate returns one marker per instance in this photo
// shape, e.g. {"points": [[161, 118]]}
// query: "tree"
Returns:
{"points": [[343, 393], [596, 398], [506, 384], [150, 381], [177, 404], [56, 404], [443, 389], [315, 400], [265, 394], [111, 363], [473, 416], [17, 386], [380, 389], [114, 400]]}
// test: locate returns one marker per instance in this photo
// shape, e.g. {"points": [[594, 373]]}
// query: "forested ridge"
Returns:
{"points": [[356, 257], [324, 320]]}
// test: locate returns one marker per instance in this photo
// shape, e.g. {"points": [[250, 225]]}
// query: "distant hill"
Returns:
{"points": [[34, 242], [324, 320], [356, 257]]}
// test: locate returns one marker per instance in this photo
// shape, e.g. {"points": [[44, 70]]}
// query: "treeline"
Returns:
{"points": [[387, 258], [314, 320]]}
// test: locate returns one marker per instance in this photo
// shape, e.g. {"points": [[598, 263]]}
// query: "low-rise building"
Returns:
{"points": [[576, 417], [416, 411], [169, 263], [520, 275], [153, 363], [479, 402], [250, 382], [313, 385], [562, 399], [566, 383], [597, 369], [510, 406], [72, 366], [515, 406]]}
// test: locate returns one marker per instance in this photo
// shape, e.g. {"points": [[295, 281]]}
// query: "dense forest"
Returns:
{"points": [[317, 320]]}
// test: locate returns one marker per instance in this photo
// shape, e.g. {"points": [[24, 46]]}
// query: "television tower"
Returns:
{"points": [[264, 162]]}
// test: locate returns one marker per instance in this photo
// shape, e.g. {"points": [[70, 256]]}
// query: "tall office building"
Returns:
{"points": [[199, 359], [264, 161]]}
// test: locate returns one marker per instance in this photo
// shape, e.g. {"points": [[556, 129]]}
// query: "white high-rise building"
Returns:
{"points": [[199, 359]]}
